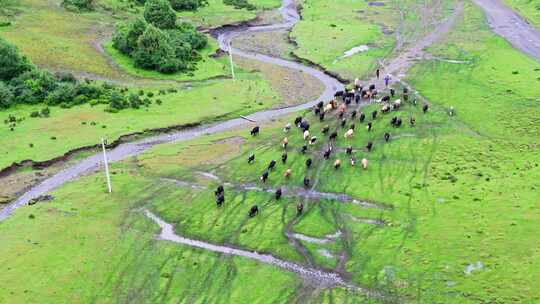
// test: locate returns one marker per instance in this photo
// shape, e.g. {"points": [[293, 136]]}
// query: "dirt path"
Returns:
{"points": [[290, 15], [509, 25], [314, 276]]}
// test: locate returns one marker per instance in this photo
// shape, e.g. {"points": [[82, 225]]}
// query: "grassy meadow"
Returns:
{"points": [[457, 195], [529, 9]]}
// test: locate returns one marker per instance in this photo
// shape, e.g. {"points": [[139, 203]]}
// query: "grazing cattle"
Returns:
{"points": [[264, 176], [356, 83], [451, 111], [287, 173], [397, 104], [219, 190], [339, 94], [285, 142], [333, 103], [352, 161], [369, 126], [304, 149], [341, 114], [251, 158], [342, 108], [412, 121], [374, 114], [328, 108], [272, 165], [337, 164], [349, 134], [385, 99], [333, 136], [316, 111], [253, 211], [309, 162], [349, 150], [405, 90], [320, 105], [327, 153], [287, 128], [255, 131], [386, 136], [343, 122], [372, 87], [393, 120], [357, 98], [414, 102], [353, 114], [406, 97], [299, 208], [220, 199], [425, 108], [284, 157], [321, 116], [385, 109], [304, 125], [362, 116], [297, 121], [306, 135], [325, 129], [278, 194], [364, 163], [313, 140], [369, 146], [306, 181], [392, 92], [352, 126], [398, 123]]}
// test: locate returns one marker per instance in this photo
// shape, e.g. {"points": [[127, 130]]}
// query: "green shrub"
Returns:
{"points": [[64, 93], [45, 112], [12, 64], [33, 86], [239, 4], [78, 5], [126, 35], [6, 95], [154, 51], [160, 14], [187, 5]]}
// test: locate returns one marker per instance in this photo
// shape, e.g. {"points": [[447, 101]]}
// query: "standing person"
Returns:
{"points": [[378, 73], [386, 80]]}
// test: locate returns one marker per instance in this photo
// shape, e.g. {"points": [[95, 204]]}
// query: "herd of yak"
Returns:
{"points": [[337, 109]]}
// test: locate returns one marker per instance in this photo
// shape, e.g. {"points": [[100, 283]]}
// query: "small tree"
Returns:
{"points": [[154, 51], [6, 95], [126, 35], [160, 14], [187, 5], [12, 64]]}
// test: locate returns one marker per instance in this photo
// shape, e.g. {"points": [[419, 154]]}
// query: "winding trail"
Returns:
{"points": [[314, 276], [512, 27]]}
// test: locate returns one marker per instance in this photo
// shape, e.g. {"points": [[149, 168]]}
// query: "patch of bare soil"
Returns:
{"points": [[294, 87]]}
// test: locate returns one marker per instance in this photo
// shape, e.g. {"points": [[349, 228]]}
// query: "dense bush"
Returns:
{"points": [[239, 4], [187, 5], [82, 5], [12, 64], [23, 83], [160, 14], [164, 49]]}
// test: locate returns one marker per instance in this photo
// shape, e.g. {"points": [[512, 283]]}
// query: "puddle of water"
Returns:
{"points": [[334, 235], [322, 278], [473, 267], [354, 50], [325, 253], [208, 175], [309, 239]]}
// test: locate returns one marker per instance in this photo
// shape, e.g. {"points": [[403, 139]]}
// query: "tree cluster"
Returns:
{"points": [[182, 5], [23, 83], [157, 42], [79, 5], [240, 4]]}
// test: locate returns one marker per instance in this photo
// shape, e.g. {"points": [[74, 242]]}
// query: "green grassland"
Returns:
{"points": [[463, 189], [201, 103], [529, 9], [330, 28]]}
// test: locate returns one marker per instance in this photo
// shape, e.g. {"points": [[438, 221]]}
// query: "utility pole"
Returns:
{"points": [[231, 61], [106, 165]]}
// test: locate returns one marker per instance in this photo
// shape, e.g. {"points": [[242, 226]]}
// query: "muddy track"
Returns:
{"points": [[291, 17], [317, 277], [509, 25]]}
